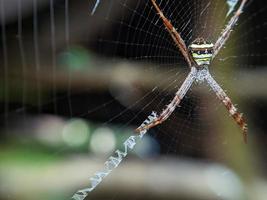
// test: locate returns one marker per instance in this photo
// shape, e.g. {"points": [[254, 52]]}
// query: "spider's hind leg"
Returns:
{"points": [[238, 117]]}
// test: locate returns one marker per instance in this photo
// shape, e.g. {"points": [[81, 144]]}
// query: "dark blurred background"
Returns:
{"points": [[74, 86]]}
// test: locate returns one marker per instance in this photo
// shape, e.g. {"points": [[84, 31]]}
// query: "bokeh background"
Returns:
{"points": [[74, 86]]}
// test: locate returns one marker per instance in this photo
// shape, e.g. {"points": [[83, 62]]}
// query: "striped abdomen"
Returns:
{"points": [[201, 51]]}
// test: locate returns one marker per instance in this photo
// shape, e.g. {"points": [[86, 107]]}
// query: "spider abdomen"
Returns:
{"points": [[202, 51]]}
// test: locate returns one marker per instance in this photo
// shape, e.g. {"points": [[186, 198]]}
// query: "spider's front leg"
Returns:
{"points": [[165, 114], [238, 117], [228, 29], [175, 36]]}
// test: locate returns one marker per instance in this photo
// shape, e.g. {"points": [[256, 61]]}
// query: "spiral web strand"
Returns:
{"points": [[121, 65], [130, 142]]}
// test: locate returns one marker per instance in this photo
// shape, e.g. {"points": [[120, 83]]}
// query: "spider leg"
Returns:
{"points": [[238, 117], [175, 35], [173, 104], [228, 29]]}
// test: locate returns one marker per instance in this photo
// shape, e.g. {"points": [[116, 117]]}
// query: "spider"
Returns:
{"points": [[198, 56]]}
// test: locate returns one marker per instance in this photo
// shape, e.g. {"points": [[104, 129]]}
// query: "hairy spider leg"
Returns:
{"points": [[189, 58], [228, 29], [165, 114], [175, 36], [238, 117]]}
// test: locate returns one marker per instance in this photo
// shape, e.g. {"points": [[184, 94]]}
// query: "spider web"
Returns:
{"points": [[108, 71]]}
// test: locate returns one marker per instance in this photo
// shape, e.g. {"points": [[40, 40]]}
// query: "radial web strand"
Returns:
{"points": [[79, 77]]}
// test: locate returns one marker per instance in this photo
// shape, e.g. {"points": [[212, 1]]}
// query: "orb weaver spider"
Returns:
{"points": [[198, 56]]}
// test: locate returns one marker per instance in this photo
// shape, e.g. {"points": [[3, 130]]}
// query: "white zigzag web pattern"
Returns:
{"points": [[95, 7], [114, 161]]}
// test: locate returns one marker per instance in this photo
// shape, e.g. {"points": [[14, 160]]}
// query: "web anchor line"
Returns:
{"points": [[114, 161]]}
